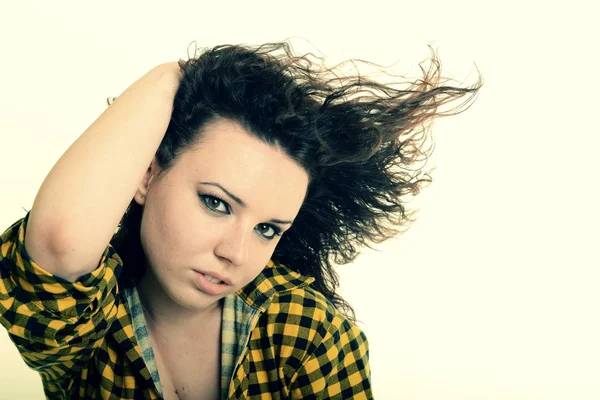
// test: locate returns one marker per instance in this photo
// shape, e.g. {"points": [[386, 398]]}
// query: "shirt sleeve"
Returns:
{"points": [[337, 365], [56, 325]]}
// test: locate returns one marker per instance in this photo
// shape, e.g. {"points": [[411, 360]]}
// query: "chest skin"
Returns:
{"points": [[189, 364]]}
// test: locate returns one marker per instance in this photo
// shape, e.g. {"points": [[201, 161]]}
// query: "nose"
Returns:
{"points": [[234, 245]]}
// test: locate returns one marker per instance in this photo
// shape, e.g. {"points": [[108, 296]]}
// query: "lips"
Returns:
{"points": [[216, 276], [206, 285]]}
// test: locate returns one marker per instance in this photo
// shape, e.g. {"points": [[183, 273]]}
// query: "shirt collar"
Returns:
{"points": [[273, 280]]}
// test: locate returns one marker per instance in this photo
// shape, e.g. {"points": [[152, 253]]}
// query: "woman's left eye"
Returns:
{"points": [[215, 204], [268, 231]]}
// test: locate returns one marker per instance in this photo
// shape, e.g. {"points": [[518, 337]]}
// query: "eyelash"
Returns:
{"points": [[205, 197]]}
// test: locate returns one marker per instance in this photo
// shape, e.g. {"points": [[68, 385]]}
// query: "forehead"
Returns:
{"points": [[260, 174]]}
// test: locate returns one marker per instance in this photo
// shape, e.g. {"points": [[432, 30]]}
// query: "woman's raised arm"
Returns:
{"points": [[83, 198]]}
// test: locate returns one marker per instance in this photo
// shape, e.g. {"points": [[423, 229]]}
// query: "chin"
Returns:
{"points": [[194, 299]]}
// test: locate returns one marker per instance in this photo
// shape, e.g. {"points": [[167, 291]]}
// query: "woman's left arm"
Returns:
{"points": [[337, 368]]}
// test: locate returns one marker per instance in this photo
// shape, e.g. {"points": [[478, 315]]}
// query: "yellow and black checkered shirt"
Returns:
{"points": [[281, 339]]}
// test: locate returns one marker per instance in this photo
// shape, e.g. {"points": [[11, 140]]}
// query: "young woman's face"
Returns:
{"points": [[219, 212]]}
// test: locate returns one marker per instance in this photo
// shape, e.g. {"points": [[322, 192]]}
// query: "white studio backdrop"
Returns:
{"points": [[493, 292]]}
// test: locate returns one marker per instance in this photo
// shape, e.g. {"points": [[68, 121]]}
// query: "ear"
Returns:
{"points": [[142, 192]]}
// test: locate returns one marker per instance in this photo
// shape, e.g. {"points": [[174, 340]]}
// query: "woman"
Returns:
{"points": [[251, 171]]}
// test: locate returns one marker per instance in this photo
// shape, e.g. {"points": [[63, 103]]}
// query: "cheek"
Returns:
{"points": [[184, 223], [164, 231], [259, 257]]}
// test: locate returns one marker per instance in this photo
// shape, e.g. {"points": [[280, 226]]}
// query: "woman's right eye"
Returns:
{"points": [[215, 204]]}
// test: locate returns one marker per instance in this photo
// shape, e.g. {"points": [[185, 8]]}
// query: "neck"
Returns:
{"points": [[161, 311]]}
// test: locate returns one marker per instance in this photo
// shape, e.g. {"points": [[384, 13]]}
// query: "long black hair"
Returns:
{"points": [[359, 140]]}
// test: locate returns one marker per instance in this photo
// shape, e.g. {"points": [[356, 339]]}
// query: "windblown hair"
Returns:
{"points": [[358, 139]]}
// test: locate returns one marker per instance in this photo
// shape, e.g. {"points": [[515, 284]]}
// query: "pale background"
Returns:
{"points": [[493, 294]]}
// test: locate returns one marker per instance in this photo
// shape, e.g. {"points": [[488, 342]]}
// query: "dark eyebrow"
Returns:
{"points": [[278, 221], [233, 196], [241, 202]]}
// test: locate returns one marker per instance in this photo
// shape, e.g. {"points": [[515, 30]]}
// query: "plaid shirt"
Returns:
{"points": [[88, 339]]}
